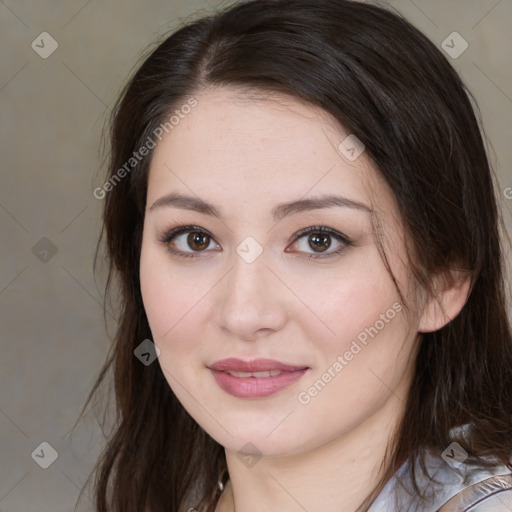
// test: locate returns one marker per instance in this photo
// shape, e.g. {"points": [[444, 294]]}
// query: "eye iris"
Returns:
{"points": [[319, 242], [200, 239]]}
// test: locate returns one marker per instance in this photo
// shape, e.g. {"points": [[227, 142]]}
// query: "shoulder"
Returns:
{"points": [[455, 489], [447, 485], [493, 494]]}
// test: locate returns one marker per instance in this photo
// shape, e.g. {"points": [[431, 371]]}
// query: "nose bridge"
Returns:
{"points": [[248, 279], [250, 301]]}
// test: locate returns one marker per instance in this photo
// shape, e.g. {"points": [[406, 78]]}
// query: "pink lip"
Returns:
{"points": [[254, 387]]}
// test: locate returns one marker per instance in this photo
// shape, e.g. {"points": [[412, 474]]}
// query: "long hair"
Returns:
{"points": [[385, 82]]}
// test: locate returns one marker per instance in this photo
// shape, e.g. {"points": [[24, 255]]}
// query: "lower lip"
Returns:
{"points": [[256, 387]]}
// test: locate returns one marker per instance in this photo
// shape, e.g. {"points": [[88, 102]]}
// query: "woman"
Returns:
{"points": [[300, 215]]}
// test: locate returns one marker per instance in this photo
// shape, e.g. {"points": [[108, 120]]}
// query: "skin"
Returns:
{"points": [[245, 156]]}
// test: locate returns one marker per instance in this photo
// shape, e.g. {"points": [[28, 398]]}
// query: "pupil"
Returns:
{"points": [[195, 239], [319, 241], [201, 240]]}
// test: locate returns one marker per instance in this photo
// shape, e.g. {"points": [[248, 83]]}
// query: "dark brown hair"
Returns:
{"points": [[389, 85]]}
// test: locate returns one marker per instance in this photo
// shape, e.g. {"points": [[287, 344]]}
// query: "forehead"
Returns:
{"points": [[251, 149]]}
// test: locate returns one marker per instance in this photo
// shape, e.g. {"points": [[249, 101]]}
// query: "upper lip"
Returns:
{"points": [[256, 365]]}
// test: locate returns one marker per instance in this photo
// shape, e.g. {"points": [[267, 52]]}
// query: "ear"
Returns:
{"points": [[451, 293]]}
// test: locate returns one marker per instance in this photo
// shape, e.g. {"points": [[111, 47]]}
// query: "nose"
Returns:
{"points": [[251, 300]]}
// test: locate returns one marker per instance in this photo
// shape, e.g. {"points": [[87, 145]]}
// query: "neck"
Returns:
{"points": [[336, 476]]}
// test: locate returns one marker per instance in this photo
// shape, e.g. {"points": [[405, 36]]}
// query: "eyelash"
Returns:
{"points": [[166, 238]]}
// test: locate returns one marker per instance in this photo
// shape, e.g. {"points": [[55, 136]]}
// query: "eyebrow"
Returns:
{"points": [[280, 211]]}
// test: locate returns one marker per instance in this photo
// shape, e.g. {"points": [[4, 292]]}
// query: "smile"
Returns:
{"points": [[254, 379]]}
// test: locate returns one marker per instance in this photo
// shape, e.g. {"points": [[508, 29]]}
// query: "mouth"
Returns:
{"points": [[270, 373], [259, 378]]}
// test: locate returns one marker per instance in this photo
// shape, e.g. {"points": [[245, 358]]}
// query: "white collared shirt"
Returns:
{"points": [[461, 488]]}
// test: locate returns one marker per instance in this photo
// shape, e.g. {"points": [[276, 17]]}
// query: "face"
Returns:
{"points": [[295, 291]]}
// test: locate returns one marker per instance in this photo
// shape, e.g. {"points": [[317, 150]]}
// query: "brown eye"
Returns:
{"points": [[319, 242], [319, 239], [198, 241], [186, 241]]}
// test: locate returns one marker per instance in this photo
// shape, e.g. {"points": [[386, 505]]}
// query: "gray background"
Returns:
{"points": [[54, 337]]}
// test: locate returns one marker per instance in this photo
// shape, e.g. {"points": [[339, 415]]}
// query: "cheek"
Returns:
{"points": [[171, 304], [361, 336], [342, 305], [358, 370], [367, 329], [170, 294]]}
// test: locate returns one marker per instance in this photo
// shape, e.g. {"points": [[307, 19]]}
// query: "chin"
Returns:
{"points": [[253, 439]]}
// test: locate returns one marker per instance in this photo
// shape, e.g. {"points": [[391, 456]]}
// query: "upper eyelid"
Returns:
{"points": [[171, 234], [180, 230]]}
